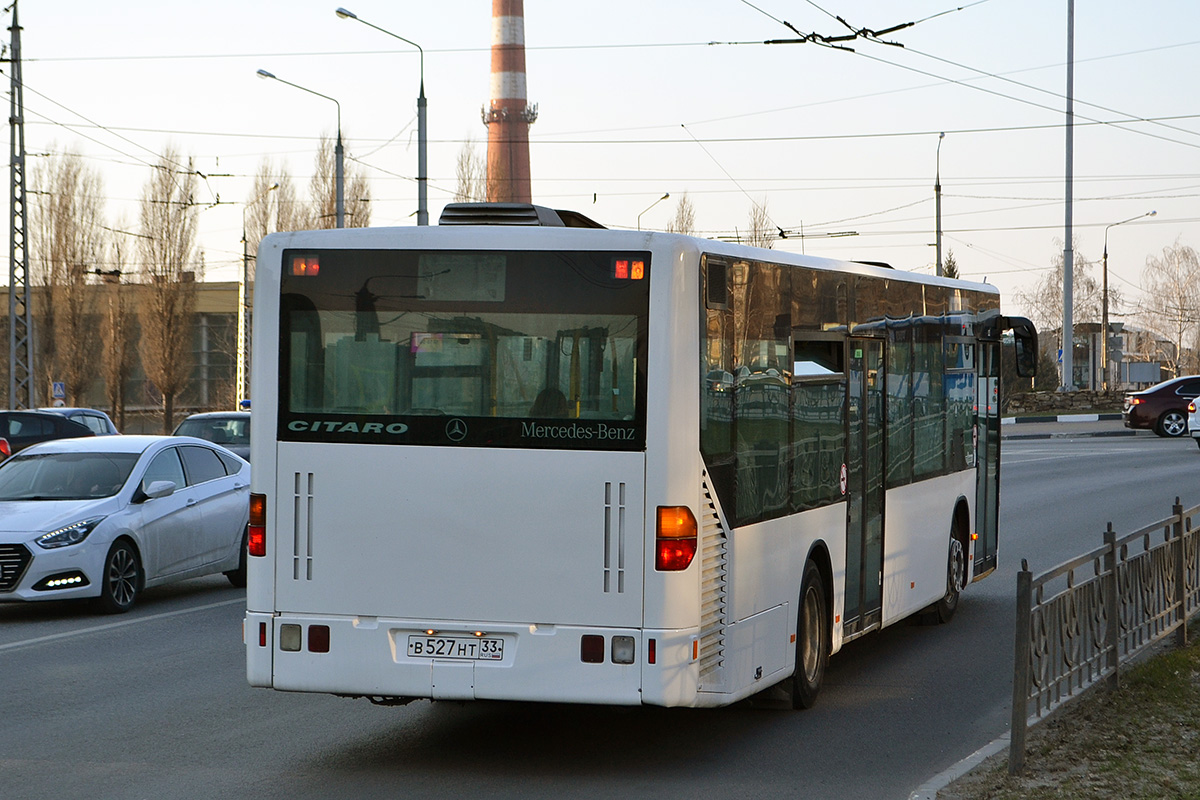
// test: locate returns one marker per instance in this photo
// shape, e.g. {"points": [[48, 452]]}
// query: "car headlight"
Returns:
{"points": [[71, 534]]}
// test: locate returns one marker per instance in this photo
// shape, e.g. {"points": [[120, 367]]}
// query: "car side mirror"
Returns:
{"points": [[158, 489]]}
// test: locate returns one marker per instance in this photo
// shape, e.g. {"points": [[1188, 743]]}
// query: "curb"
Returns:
{"points": [[1063, 418], [1008, 437], [929, 790]]}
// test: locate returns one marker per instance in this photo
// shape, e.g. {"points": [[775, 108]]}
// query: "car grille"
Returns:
{"points": [[14, 559]]}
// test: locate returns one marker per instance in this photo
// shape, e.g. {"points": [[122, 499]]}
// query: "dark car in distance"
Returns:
{"points": [[1162, 408], [230, 429], [23, 428], [98, 421]]}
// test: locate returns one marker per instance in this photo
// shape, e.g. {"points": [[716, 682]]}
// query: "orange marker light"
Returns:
{"points": [[637, 270]]}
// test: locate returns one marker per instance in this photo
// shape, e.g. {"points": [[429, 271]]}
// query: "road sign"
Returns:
{"points": [[58, 390]]}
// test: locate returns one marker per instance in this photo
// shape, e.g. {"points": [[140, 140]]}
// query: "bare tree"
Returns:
{"points": [[470, 171], [685, 218], [1044, 303], [269, 210], [68, 246], [116, 331], [169, 272], [323, 189], [1172, 305], [760, 232]]}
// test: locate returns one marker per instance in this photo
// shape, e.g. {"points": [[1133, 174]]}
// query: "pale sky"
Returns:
{"points": [[635, 102]]}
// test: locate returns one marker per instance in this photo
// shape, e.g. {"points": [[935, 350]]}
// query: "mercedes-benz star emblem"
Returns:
{"points": [[456, 430]]}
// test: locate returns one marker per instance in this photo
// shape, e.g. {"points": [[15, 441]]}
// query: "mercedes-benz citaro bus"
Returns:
{"points": [[518, 456]]}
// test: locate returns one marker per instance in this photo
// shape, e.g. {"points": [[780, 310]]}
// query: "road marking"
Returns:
{"points": [[110, 626]]}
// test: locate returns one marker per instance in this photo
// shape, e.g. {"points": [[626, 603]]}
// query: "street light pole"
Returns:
{"points": [[1068, 326], [652, 205], [1104, 301], [338, 151], [243, 310], [422, 133], [937, 195]]}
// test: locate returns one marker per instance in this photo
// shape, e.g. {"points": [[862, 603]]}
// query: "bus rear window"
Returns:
{"points": [[517, 349]]}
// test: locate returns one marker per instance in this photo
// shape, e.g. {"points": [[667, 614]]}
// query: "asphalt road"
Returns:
{"points": [[154, 704]]}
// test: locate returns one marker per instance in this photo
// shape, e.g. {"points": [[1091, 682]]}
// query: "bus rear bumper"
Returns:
{"points": [[397, 658]]}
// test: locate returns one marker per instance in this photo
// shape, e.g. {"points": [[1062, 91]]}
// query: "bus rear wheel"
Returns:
{"points": [[812, 639]]}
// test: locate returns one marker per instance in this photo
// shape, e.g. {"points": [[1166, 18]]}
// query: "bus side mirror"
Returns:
{"points": [[1025, 346]]}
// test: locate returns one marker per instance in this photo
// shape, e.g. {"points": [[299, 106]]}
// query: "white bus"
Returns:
{"points": [[516, 456]]}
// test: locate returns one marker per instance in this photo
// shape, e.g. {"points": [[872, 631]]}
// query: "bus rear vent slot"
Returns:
{"points": [[302, 526], [614, 537], [713, 617]]}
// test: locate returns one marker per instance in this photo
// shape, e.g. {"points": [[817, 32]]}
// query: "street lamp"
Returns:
{"points": [[422, 135], [243, 280], [1104, 301], [652, 205], [339, 178], [937, 195]]}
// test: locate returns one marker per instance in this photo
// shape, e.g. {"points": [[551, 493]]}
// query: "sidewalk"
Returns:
{"points": [[1066, 426]]}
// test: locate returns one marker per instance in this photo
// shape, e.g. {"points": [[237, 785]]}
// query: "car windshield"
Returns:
{"points": [[64, 476], [220, 431]]}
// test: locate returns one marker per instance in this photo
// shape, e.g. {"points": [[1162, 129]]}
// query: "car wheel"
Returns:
{"points": [[238, 576], [1172, 423], [812, 639], [121, 581]]}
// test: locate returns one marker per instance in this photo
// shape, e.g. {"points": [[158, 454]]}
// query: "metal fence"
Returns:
{"points": [[1077, 623]]}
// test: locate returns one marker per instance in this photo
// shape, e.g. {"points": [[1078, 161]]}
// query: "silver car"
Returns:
{"points": [[106, 517]]}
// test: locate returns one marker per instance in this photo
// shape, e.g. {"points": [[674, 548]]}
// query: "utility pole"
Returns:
{"points": [[1068, 328], [20, 322], [937, 195]]}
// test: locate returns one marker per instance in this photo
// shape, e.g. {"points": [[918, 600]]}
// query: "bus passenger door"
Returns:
{"points": [[987, 455], [864, 486]]}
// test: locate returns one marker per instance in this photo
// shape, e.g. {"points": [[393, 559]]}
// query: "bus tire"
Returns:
{"points": [[956, 577], [812, 639]]}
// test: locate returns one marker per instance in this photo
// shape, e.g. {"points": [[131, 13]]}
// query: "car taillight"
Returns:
{"points": [[675, 538], [1136, 401], [5, 450], [1192, 407], [257, 539]]}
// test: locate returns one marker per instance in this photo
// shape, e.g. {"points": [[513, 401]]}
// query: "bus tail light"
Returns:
{"points": [[257, 539], [675, 538], [591, 649]]}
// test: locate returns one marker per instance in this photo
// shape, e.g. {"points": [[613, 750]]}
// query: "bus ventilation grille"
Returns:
{"points": [[712, 594], [302, 528], [614, 537]]}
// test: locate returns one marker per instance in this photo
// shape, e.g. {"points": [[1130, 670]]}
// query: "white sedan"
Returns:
{"points": [[109, 516]]}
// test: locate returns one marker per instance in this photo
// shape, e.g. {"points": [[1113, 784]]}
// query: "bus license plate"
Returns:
{"points": [[471, 648]]}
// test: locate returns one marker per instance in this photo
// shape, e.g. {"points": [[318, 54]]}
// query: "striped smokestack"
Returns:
{"points": [[507, 114]]}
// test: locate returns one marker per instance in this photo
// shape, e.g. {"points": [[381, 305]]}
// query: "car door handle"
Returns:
{"points": [[191, 501]]}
